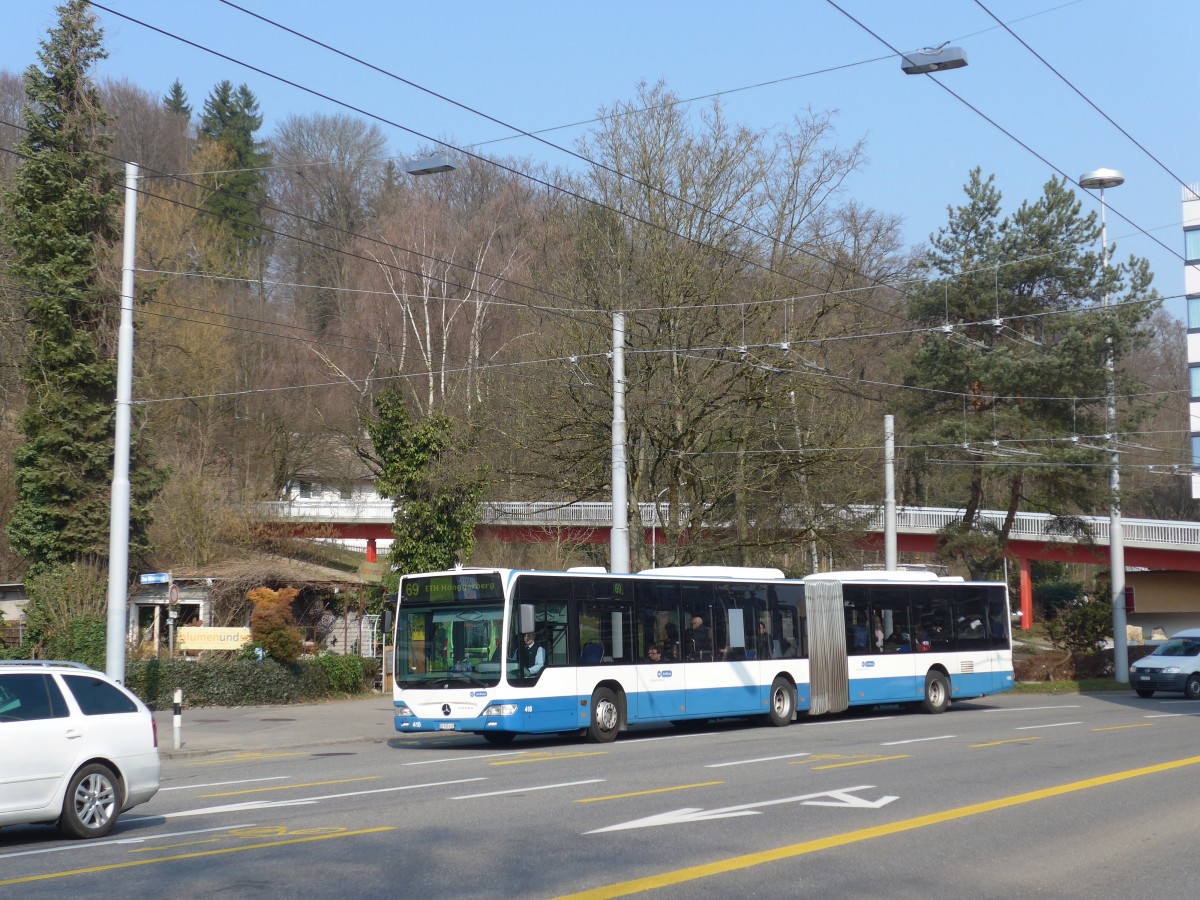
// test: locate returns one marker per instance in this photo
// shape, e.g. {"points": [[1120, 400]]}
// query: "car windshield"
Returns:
{"points": [[1179, 647]]}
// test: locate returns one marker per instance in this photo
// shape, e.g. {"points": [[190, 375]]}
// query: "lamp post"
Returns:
{"points": [[1101, 179], [118, 530]]}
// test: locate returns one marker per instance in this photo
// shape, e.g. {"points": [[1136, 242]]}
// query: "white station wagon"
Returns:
{"points": [[78, 748]]}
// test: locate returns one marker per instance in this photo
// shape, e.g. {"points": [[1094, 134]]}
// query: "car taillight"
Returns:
{"points": [[154, 729]]}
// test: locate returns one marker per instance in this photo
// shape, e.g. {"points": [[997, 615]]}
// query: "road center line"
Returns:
{"points": [[1050, 725], [737, 863], [526, 790], [288, 787], [430, 762], [861, 762], [746, 762], [194, 787], [943, 737], [662, 790]]}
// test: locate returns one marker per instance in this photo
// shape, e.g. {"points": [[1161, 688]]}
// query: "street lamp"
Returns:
{"points": [[1101, 179], [118, 531]]}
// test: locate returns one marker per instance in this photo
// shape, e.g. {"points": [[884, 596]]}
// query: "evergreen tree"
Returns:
{"points": [[60, 217], [436, 502], [1014, 365], [231, 119], [177, 102]]}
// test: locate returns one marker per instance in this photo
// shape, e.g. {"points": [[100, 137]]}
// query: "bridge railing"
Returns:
{"points": [[1151, 533]]}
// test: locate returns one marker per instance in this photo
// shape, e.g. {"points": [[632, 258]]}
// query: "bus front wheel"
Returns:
{"points": [[783, 702], [937, 693], [606, 717]]}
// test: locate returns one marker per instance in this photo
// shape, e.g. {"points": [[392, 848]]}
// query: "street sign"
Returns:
{"points": [[155, 578], [173, 595]]}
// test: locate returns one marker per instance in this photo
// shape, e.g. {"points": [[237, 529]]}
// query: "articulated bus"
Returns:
{"points": [[502, 652]]}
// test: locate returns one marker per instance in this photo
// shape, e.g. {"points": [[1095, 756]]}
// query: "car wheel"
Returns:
{"points": [[1144, 692], [606, 717], [1191, 690], [937, 693], [92, 804], [783, 702]]}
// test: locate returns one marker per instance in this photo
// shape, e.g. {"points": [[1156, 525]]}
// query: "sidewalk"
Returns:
{"points": [[252, 729]]}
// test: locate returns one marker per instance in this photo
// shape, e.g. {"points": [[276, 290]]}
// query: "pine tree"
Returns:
{"points": [[177, 102], [230, 119], [1014, 365], [60, 218]]}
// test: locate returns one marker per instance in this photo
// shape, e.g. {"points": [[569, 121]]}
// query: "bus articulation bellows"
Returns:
{"points": [[502, 652]]}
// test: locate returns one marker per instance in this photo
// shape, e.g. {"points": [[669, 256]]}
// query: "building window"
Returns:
{"points": [[1191, 244], [1193, 306], [1194, 380], [1196, 451]]}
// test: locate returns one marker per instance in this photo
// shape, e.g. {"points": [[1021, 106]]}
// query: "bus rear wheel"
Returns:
{"points": [[937, 693], [606, 717], [783, 702]]}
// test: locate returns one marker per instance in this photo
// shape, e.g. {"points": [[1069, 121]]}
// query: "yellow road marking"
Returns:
{"points": [[549, 757], [862, 762], [664, 790], [1009, 741], [199, 854], [288, 787], [721, 867], [244, 757], [158, 847], [1120, 727]]}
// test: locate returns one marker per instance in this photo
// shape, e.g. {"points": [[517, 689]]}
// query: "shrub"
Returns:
{"points": [[1081, 628], [234, 681]]}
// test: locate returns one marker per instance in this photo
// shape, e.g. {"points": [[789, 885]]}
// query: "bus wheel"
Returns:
{"points": [[499, 737], [937, 693], [783, 702], [606, 717]]}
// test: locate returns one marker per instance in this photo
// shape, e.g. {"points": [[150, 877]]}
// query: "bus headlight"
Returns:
{"points": [[402, 710], [500, 709]]}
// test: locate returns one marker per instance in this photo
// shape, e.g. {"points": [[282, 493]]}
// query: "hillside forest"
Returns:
{"points": [[306, 312]]}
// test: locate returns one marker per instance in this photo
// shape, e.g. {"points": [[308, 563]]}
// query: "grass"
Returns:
{"points": [[1086, 686]]}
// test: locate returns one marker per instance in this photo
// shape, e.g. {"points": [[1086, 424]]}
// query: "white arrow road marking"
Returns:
{"points": [[844, 797]]}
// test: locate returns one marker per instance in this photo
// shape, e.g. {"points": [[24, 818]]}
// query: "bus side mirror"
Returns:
{"points": [[527, 623], [387, 621]]}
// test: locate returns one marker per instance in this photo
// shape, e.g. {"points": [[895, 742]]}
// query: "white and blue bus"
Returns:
{"points": [[502, 652]]}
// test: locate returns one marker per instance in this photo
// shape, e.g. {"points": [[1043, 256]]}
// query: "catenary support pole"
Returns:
{"points": [[118, 533]]}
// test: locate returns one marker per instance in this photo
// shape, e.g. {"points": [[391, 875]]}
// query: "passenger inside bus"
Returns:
{"points": [[670, 650], [653, 654], [763, 642], [699, 640]]}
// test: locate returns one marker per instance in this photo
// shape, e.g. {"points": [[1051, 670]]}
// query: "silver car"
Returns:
{"points": [[79, 749]]}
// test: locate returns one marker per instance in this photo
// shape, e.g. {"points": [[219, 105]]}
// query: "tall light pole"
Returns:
{"points": [[1101, 179], [118, 525]]}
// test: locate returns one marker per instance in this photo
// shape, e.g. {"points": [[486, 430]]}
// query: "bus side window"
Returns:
{"points": [[858, 620]]}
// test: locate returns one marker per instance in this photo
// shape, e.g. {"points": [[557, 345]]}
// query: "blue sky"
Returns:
{"points": [[543, 64]]}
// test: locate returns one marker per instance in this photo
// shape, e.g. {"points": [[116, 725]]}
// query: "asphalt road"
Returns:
{"points": [[1012, 796]]}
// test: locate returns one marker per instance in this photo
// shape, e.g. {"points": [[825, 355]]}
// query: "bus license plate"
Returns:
{"points": [[446, 726]]}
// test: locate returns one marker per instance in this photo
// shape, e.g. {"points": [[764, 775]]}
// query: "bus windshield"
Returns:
{"points": [[448, 631]]}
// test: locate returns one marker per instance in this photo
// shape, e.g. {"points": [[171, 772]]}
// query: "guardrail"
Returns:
{"points": [[1149, 533]]}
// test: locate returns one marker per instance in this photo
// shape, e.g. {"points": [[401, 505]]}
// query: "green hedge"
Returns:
{"points": [[245, 682]]}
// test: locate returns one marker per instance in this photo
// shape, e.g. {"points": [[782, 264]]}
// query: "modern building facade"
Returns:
{"points": [[1191, 285]]}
